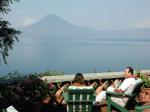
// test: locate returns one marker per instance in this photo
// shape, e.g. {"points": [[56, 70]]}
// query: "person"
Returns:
{"points": [[78, 80], [128, 81]]}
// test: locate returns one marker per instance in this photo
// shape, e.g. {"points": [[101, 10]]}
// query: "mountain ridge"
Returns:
{"points": [[53, 26]]}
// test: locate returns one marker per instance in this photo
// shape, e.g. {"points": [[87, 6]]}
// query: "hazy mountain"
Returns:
{"points": [[53, 26]]}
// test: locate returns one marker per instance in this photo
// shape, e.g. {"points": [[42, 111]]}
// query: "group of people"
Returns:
{"points": [[100, 92]]}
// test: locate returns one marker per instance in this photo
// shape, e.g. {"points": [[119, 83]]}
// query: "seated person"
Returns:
{"points": [[129, 80], [78, 80]]}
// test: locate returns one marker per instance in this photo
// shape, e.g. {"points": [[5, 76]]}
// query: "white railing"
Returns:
{"points": [[88, 76]]}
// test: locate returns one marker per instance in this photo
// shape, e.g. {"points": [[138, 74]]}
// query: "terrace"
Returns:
{"points": [[59, 81], [90, 78]]}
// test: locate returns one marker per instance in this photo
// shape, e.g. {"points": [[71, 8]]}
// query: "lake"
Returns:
{"points": [[76, 55]]}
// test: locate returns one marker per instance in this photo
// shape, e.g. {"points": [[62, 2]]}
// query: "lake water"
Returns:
{"points": [[77, 55]]}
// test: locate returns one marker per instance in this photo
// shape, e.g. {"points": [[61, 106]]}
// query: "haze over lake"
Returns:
{"points": [[71, 56]]}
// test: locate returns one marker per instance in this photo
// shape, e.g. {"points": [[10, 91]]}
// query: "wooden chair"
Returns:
{"points": [[80, 99], [124, 101]]}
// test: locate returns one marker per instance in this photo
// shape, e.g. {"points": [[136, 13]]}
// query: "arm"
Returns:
{"points": [[118, 90]]}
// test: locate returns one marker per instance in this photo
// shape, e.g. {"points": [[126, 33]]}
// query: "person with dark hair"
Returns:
{"points": [[130, 70], [128, 81], [78, 80]]}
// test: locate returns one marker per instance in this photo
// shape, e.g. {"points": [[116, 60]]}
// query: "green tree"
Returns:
{"points": [[8, 35]]}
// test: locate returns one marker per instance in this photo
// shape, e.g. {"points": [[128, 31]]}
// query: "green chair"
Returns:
{"points": [[124, 101], [141, 108], [80, 99]]}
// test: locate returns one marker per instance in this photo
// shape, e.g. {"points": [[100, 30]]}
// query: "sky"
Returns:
{"points": [[98, 14]]}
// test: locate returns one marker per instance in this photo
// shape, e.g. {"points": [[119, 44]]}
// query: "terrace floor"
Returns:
{"points": [[63, 108]]}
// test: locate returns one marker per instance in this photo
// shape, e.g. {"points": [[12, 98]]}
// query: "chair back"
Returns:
{"points": [[136, 90], [80, 99]]}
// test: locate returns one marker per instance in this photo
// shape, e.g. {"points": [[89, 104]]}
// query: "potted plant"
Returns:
{"points": [[145, 90]]}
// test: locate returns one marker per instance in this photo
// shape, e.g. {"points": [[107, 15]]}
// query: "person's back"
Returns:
{"points": [[78, 80]]}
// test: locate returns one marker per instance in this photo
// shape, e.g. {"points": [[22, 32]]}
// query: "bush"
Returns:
{"points": [[29, 91], [145, 77], [49, 73]]}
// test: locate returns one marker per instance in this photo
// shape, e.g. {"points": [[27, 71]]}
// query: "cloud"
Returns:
{"points": [[28, 21], [143, 24]]}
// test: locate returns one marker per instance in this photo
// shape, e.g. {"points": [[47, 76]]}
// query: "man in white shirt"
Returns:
{"points": [[129, 80]]}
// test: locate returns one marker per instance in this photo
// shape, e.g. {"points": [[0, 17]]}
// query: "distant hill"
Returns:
{"points": [[131, 34], [53, 26]]}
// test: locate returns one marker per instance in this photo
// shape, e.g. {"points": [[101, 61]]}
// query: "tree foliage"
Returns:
{"points": [[8, 35], [24, 93]]}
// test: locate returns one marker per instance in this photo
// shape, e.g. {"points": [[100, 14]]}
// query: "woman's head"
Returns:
{"points": [[79, 78]]}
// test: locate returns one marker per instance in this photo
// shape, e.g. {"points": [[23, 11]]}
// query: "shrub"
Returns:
{"points": [[29, 91], [145, 77]]}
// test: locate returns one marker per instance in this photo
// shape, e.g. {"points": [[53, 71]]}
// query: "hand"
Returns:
{"points": [[118, 90]]}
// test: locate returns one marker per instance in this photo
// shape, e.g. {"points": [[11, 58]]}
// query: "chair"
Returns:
{"points": [[124, 101], [141, 108], [80, 99]]}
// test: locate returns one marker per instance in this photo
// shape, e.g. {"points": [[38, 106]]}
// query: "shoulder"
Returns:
{"points": [[130, 79], [78, 84]]}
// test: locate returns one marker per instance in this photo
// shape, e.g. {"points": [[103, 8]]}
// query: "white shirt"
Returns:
{"points": [[127, 83]]}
